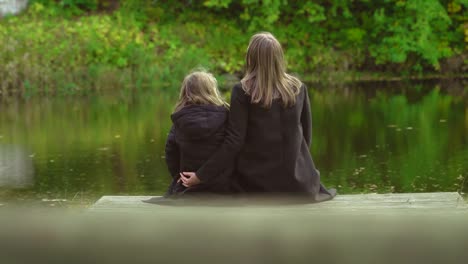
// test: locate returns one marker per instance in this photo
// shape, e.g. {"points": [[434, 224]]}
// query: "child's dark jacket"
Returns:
{"points": [[197, 132]]}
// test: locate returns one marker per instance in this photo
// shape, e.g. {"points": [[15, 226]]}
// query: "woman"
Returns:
{"points": [[269, 130]]}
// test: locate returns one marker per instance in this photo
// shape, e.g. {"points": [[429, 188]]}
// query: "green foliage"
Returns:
{"points": [[410, 34], [412, 26], [95, 53], [68, 7], [79, 45], [313, 12]]}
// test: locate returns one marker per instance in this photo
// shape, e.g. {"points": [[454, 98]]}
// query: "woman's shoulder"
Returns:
{"points": [[237, 87], [239, 92], [302, 89]]}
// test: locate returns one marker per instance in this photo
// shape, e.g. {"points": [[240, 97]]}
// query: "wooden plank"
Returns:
{"points": [[442, 202]]}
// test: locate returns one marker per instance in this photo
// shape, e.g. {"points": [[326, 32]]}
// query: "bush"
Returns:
{"points": [[80, 45]]}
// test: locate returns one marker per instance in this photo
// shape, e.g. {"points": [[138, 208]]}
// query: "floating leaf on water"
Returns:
{"points": [[442, 120], [54, 200]]}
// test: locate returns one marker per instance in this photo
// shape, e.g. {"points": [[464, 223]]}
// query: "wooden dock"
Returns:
{"points": [[362, 228], [439, 203]]}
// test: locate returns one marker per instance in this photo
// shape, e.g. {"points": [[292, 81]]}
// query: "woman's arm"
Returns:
{"points": [[306, 117], [172, 154], [234, 139]]}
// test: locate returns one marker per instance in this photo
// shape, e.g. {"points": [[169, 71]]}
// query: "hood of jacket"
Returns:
{"points": [[199, 121]]}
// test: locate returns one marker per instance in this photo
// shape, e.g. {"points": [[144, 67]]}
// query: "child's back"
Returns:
{"points": [[198, 131]]}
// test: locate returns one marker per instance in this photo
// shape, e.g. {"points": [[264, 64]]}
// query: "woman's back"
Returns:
{"points": [[275, 155]]}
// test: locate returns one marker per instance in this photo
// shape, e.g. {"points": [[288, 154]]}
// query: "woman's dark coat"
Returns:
{"points": [[271, 147], [197, 132]]}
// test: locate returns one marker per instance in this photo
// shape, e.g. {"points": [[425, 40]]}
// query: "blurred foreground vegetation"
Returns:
{"points": [[78, 46]]}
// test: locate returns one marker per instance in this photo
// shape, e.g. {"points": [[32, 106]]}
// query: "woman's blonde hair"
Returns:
{"points": [[199, 88], [265, 77]]}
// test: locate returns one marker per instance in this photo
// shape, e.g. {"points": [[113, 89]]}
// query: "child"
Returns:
{"points": [[198, 130]]}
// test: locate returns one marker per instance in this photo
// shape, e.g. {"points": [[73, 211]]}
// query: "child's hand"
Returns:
{"points": [[189, 179]]}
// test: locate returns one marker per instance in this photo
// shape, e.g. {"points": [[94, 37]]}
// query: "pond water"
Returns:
{"points": [[373, 137]]}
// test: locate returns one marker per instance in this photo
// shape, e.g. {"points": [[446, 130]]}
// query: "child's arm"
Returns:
{"points": [[172, 154], [234, 140]]}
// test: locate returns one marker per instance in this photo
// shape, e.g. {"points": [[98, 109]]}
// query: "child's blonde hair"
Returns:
{"points": [[265, 77], [199, 88]]}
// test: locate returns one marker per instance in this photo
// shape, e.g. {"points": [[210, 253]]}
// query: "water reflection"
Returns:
{"points": [[409, 138], [16, 167]]}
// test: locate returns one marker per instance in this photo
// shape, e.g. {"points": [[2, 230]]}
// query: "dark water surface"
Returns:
{"points": [[366, 138]]}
